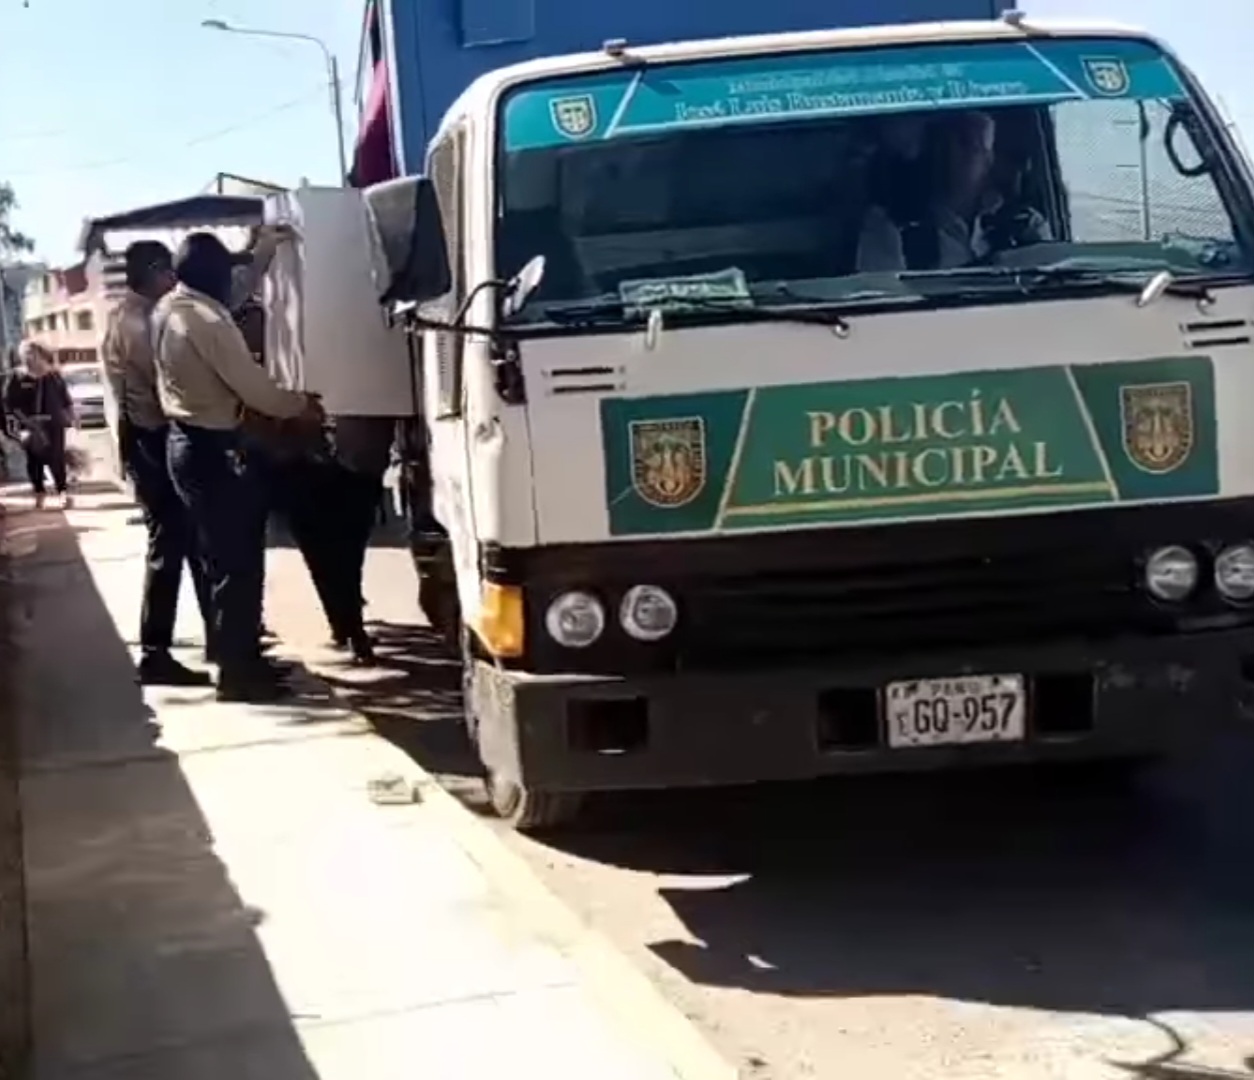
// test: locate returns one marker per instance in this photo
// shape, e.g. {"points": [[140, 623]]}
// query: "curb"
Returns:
{"points": [[624, 993]]}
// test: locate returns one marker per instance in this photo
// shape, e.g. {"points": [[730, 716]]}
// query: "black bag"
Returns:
{"points": [[34, 440], [34, 435]]}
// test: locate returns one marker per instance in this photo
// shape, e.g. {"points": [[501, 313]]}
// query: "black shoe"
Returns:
{"points": [[252, 690], [260, 680], [363, 648], [161, 669], [211, 657], [275, 669]]}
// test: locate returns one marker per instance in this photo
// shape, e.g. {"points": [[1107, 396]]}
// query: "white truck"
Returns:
{"points": [[833, 402]]}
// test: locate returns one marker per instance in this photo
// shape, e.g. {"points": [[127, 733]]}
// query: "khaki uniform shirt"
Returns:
{"points": [[205, 374], [129, 364]]}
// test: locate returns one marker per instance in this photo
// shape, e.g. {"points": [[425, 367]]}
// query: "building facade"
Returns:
{"points": [[13, 281], [60, 313], [64, 309]]}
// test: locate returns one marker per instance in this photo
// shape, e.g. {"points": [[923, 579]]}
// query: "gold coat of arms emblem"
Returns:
{"points": [[1158, 429], [668, 460]]}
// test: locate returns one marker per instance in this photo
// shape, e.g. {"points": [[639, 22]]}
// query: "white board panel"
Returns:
{"points": [[325, 329]]}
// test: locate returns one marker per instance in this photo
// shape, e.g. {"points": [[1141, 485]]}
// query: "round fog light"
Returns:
{"points": [[648, 613], [1234, 572], [575, 619], [1171, 573]]}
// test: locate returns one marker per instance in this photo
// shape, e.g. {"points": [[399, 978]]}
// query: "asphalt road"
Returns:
{"points": [[1025, 924], [948, 926], [1015, 925]]}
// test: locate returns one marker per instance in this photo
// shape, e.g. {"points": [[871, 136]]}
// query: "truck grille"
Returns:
{"points": [[865, 594], [919, 604]]}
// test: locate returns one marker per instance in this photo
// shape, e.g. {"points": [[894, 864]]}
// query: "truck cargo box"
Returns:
{"points": [[433, 49]]}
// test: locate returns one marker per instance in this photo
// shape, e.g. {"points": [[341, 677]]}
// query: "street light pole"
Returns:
{"points": [[337, 107], [333, 75]]}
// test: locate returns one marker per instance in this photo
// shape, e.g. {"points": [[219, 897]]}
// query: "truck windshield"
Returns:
{"points": [[864, 177]]}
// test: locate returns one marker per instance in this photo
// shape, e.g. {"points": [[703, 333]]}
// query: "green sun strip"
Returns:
{"points": [[902, 448], [564, 110]]}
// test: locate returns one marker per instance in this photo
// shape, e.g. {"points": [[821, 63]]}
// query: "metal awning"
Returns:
{"points": [[199, 211]]}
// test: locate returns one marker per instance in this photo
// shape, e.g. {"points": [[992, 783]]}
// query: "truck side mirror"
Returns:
{"points": [[412, 262]]}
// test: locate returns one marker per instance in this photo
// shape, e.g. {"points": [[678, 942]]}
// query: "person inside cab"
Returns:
{"points": [[966, 220], [896, 173]]}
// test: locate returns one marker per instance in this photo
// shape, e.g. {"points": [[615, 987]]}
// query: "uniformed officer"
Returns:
{"points": [[206, 377], [142, 434]]}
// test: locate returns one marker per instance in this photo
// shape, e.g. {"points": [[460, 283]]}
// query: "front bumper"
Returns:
{"points": [[1085, 701]]}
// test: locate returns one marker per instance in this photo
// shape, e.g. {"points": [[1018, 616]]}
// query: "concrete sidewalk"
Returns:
{"points": [[212, 892]]}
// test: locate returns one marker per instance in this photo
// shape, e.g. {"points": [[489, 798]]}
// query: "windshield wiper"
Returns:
{"points": [[1027, 278], [1167, 282], [613, 310], [1147, 289]]}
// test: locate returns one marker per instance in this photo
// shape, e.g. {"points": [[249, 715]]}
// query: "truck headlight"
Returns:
{"points": [[575, 619], [1234, 572], [1171, 573], [648, 612]]}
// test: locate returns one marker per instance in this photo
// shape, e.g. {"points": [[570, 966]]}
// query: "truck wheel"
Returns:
{"points": [[466, 650], [437, 599], [532, 811]]}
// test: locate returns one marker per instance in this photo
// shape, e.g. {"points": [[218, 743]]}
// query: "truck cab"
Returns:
{"points": [[838, 401]]}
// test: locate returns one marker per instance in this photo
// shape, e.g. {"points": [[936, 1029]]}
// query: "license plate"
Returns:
{"points": [[966, 709]]}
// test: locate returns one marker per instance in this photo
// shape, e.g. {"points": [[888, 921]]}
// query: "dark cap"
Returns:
{"points": [[204, 263], [145, 258]]}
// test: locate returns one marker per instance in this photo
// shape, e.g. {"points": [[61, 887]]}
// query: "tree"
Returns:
{"points": [[12, 242]]}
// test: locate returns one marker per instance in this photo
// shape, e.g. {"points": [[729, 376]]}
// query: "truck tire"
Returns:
{"points": [[437, 599], [532, 811], [522, 808]]}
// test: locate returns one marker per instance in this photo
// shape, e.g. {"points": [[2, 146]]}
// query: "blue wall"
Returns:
{"points": [[444, 45]]}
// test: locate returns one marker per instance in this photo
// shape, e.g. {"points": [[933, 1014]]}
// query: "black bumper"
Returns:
{"points": [[588, 733]]}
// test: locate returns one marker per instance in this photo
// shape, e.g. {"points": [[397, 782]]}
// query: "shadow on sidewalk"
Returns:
{"points": [[14, 983], [145, 960], [414, 700]]}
